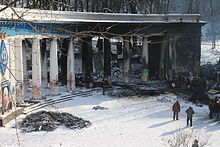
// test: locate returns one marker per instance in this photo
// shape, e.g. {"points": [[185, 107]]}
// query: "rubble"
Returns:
{"points": [[164, 100], [99, 108], [49, 121], [199, 96], [150, 88]]}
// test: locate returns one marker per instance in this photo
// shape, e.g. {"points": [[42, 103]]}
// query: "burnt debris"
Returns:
{"points": [[49, 121], [99, 108]]}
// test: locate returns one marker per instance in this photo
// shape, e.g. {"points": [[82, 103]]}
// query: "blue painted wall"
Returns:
{"points": [[12, 28]]}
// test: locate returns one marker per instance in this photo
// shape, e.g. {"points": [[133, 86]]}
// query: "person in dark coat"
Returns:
{"points": [[189, 113], [176, 110], [211, 109], [104, 85], [196, 143]]}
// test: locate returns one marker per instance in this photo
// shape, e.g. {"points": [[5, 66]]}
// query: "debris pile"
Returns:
{"points": [[151, 88], [165, 100], [49, 121], [99, 108], [199, 96]]}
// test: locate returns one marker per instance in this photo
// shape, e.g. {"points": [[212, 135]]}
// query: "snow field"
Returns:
{"points": [[131, 122]]}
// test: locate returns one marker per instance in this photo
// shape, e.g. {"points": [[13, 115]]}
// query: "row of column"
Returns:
{"points": [[87, 67], [87, 71], [126, 60], [39, 63], [39, 66]]}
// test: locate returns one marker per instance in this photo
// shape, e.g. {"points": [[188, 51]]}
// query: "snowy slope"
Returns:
{"points": [[131, 122]]}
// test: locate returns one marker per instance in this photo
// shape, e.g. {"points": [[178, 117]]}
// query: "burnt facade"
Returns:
{"points": [[168, 44], [167, 48], [178, 50]]}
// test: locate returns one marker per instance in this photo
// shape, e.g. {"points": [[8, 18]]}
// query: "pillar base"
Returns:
{"points": [[53, 87], [36, 93]]}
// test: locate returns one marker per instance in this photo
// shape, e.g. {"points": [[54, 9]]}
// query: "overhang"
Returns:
{"points": [[70, 17]]}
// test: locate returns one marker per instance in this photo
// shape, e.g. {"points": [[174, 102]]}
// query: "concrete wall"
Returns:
{"points": [[7, 79]]}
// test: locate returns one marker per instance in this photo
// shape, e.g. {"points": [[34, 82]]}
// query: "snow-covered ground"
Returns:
{"points": [[208, 54], [128, 122]]}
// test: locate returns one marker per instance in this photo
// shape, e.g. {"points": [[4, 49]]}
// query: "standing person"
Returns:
{"points": [[176, 110], [196, 143], [104, 85], [189, 113], [211, 109]]}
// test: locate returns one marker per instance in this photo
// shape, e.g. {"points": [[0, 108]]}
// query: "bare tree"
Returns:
{"points": [[212, 25], [186, 138]]}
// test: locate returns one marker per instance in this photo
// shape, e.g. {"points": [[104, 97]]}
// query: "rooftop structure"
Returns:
{"points": [[47, 16]]}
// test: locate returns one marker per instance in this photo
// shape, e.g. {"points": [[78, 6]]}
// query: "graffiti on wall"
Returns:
{"points": [[3, 57], [5, 102], [36, 88], [18, 92]]}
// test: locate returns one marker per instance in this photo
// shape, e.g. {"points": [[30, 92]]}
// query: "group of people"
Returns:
{"points": [[189, 112]]}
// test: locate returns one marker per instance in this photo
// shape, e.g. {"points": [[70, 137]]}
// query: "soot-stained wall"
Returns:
{"points": [[177, 50]]}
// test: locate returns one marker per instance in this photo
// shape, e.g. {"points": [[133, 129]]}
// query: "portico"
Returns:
{"points": [[162, 51]]}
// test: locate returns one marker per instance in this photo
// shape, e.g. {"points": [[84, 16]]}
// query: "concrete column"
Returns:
{"points": [[100, 44], [10, 51], [145, 59], [107, 61], [53, 67], [44, 63], [126, 59], [24, 62], [174, 65], [87, 66], [63, 60], [24, 69], [162, 59], [19, 74], [119, 48], [36, 69], [70, 67], [119, 53], [170, 54]]}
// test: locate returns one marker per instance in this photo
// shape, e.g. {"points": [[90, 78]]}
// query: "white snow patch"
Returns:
{"points": [[130, 121], [208, 54]]}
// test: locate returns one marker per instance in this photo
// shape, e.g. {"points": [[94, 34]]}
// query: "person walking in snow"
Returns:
{"points": [[176, 110], [196, 143], [189, 113]]}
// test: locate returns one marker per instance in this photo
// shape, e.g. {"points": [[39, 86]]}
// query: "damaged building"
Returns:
{"points": [[164, 45]]}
